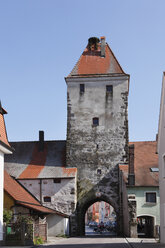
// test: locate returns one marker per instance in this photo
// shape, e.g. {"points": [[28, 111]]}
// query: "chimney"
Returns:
{"points": [[102, 46], [41, 141], [131, 172]]}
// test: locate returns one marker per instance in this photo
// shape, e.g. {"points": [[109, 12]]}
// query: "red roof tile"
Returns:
{"points": [[145, 157], [3, 133], [36, 165], [19, 194], [91, 63]]}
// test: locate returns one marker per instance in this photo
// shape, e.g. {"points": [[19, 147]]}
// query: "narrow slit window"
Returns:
{"points": [[109, 89], [47, 199], [95, 121], [82, 88]]}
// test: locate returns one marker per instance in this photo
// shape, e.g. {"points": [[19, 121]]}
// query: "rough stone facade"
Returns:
{"points": [[62, 194], [96, 150]]}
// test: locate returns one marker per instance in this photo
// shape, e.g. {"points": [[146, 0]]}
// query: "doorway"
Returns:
{"points": [[145, 226]]}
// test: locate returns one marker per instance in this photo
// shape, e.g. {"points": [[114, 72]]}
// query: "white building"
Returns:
{"points": [[161, 152], [4, 149]]}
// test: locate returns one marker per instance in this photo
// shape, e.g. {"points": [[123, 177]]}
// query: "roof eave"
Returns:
{"points": [[6, 149]]}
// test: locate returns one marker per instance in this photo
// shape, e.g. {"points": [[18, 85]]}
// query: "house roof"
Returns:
{"points": [[3, 134], [27, 162], [21, 196], [92, 63], [145, 158]]}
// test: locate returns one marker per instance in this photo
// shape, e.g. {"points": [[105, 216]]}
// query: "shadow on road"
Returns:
{"points": [[96, 245]]}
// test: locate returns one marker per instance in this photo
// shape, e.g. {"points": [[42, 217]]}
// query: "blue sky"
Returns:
{"points": [[40, 42]]}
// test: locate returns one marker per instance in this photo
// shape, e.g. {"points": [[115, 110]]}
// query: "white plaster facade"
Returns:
{"points": [[57, 225], [161, 153], [1, 193], [3, 151], [144, 208]]}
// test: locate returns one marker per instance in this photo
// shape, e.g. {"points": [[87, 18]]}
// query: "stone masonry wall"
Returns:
{"points": [[97, 150]]}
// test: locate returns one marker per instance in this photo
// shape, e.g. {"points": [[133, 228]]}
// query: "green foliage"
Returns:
{"points": [[24, 219], [38, 240], [62, 236], [7, 216]]}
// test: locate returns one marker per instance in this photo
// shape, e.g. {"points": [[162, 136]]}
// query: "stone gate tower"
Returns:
{"points": [[97, 128]]}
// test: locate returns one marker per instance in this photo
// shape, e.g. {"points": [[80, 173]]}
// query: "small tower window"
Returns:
{"points": [[82, 88], [95, 121], [109, 89], [47, 199]]}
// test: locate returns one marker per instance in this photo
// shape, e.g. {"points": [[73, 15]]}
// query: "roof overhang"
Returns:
{"points": [[5, 148]]}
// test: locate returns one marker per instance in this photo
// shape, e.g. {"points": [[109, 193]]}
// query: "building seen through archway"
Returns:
{"points": [[100, 218]]}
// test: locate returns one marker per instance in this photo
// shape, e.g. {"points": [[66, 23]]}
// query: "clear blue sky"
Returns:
{"points": [[40, 42]]}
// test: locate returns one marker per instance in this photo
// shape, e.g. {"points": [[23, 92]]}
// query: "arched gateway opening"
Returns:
{"points": [[100, 218], [105, 212], [145, 226]]}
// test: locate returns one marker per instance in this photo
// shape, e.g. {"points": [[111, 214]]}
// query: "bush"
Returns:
{"points": [[7, 216], [38, 240]]}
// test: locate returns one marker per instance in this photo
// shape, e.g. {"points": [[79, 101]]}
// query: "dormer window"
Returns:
{"points": [[109, 89], [82, 88], [95, 121]]}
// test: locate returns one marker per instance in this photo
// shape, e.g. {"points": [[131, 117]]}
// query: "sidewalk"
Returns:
{"points": [[144, 243]]}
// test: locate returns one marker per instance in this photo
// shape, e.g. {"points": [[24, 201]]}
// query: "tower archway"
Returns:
{"points": [[82, 210]]}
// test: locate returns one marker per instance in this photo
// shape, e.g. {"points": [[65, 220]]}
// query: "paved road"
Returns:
{"points": [[89, 231], [90, 242], [99, 242]]}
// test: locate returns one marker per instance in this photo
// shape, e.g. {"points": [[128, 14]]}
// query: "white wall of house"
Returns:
{"points": [[57, 225], [161, 153], [144, 208], [1, 193]]}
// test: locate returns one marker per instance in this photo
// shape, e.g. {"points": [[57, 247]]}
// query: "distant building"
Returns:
{"points": [[5, 148], [161, 153]]}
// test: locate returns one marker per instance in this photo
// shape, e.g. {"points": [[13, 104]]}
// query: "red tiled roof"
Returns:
{"points": [[19, 194], [36, 165], [145, 157], [91, 63], [3, 134]]}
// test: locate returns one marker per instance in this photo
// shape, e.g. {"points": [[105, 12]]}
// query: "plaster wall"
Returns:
{"points": [[161, 157], [1, 193], [8, 201], [63, 194], [57, 225], [144, 208]]}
